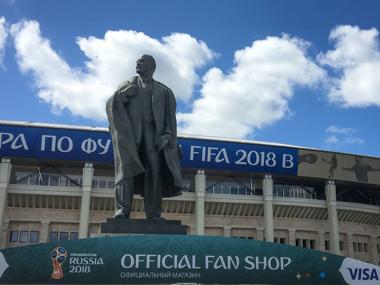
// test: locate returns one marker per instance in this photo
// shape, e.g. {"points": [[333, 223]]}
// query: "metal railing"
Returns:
{"points": [[231, 189], [294, 191], [103, 182], [51, 179], [44, 179]]}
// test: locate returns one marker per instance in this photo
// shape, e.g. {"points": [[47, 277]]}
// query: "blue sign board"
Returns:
{"points": [[245, 157], [96, 146], [169, 259]]}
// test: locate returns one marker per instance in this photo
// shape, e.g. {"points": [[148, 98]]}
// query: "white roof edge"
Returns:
{"points": [[102, 129]]}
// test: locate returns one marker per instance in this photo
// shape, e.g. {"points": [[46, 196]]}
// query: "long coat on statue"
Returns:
{"points": [[124, 111]]}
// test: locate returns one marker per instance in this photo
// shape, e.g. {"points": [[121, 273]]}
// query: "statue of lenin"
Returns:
{"points": [[143, 126]]}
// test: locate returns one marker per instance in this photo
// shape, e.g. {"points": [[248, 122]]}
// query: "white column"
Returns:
{"points": [[5, 175], [227, 231], [4, 234], [373, 250], [350, 246], [88, 174], [292, 236], [260, 233], [321, 241], [44, 231], [330, 190], [268, 207], [200, 187]]}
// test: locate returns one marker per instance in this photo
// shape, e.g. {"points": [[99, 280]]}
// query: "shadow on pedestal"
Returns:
{"points": [[140, 226]]}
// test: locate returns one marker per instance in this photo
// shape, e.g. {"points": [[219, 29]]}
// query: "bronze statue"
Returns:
{"points": [[143, 126]]}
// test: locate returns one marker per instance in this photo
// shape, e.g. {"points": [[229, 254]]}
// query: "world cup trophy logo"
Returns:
{"points": [[58, 256]]}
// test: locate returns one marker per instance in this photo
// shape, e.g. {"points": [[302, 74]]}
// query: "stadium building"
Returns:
{"points": [[56, 183]]}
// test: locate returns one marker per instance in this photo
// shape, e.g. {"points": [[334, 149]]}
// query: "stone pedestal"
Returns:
{"points": [[139, 226]]}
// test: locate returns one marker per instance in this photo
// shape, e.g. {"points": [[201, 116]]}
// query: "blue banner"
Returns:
{"points": [[96, 146], [169, 259], [245, 157]]}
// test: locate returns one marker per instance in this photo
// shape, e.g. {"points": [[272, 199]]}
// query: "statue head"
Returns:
{"points": [[145, 65], [358, 159]]}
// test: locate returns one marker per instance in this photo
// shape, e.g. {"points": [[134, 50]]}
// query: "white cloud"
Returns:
{"points": [[342, 136], [111, 60], [332, 139], [338, 130], [255, 93], [3, 38], [356, 59]]}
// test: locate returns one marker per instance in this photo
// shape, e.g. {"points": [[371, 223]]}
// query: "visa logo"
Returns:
{"points": [[356, 272], [363, 274]]}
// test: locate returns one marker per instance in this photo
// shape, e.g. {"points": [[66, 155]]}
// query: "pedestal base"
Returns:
{"points": [[139, 226]]}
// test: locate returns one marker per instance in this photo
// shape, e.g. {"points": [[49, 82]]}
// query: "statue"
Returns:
{"points": [[143, 126]]}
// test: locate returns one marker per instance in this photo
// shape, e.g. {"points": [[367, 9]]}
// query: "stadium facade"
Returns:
{"points": [[56, 183]]}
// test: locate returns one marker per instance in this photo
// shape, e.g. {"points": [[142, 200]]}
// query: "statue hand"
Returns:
{"points": [[163, 142]]}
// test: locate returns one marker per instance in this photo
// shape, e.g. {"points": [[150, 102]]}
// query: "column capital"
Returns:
{"points": [[267, 176], [200, 171], [330, 182], [5, 170], [87, 176]]}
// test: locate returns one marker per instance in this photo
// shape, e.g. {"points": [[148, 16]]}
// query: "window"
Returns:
{"points": [[283, 240], [73, 235], [365, 247], [242, 237], [327, 244], [53, 236], [341, 245], [33, 238], [305, 243], [13, 237], [360, 247], [24, 236], [56, 236], [63, 235]]}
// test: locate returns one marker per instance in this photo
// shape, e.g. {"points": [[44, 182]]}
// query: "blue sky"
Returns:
{"points": [[305, 73]]}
